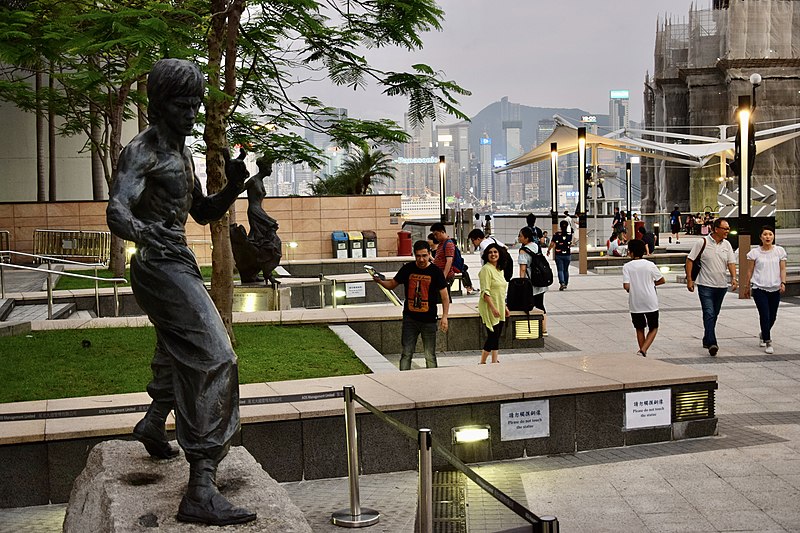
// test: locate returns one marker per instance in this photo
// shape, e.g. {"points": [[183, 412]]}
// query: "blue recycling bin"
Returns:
{"points": [[339, 242]]}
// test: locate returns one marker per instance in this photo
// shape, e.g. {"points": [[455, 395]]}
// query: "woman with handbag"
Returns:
{"points": [[766, 280], [492, 302]]}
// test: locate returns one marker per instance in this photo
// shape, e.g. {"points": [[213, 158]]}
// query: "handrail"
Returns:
{"points": [[50, 272], [541, 524]]}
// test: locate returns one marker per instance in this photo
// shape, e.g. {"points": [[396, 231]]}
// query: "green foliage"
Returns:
{"points": [[55, 364], [360, 170]]}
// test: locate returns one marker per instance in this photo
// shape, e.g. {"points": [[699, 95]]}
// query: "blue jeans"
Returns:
{"points": [[767, 305], [562, 266], [711, 302], [411, 331]]}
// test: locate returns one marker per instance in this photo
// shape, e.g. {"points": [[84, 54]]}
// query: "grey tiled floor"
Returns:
{"points": [[745, 479]]}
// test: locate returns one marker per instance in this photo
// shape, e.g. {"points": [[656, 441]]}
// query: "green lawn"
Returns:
{"points": [[55, 364], [69, 283]]}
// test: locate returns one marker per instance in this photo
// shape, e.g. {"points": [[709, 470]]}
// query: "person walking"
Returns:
{"points": [[717, 256], [492, 303], [448, 258], [530, 247], [640, 279], [572, 228], [766, 281], [424, 286], [561, 242], [675, 223]]}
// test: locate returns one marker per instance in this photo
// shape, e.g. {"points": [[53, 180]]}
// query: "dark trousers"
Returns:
{"points": [[767, 305], [562, 267], [493, 337], [711, 302], [412, 329], [194, 366]]}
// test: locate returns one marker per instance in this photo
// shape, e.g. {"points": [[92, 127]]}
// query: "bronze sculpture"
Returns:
{"points": [[194, 368], [259, 250]]}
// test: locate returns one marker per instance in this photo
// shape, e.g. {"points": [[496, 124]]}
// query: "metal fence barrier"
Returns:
{"points": [[73, 244], [539, 524]]}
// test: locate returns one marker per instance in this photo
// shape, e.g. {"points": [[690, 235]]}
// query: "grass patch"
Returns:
{"points": [[68, 283], [55, 364]]}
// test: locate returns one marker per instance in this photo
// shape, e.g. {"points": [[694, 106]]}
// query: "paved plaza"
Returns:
{"points": [[745, 479]]}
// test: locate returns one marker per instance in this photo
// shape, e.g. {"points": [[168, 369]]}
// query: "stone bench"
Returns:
{"points": [[585, 397], [669, 258]]}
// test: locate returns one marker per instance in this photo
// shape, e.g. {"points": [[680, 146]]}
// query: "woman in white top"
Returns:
{"points": [[766, 280]]}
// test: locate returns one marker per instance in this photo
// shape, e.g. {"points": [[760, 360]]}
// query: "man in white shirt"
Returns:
{"points": [[712, 282], [480, 240]]}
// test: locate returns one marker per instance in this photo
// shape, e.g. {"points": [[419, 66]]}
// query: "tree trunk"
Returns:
{"points": [[41, 182], [223, 31], [98, 172], [51, 138], [118, 256]]}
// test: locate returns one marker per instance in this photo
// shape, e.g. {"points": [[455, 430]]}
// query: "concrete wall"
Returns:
{"points": [[308, 221]]}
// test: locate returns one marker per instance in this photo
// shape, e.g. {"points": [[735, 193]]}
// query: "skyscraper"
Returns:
{"points": [[486, 191]]}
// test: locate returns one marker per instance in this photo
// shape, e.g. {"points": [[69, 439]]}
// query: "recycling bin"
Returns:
{"points": [[339, 241], [370, 243], [355, 244]]}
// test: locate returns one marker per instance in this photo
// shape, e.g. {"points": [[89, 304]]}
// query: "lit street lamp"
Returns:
{"points": [[629, 223], [442, 192], [554, 186], [583, 263]]}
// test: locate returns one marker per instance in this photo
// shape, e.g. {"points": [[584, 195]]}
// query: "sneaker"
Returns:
{"points": [[641, 353], [761, 342], [561, 287], [544, 334], [769, 348], [712, 350], [677, 242]]}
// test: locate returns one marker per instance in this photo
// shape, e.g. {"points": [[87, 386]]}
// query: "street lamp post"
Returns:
{"points": [[745, 120], [629, 222], [583, 262], [442, 191], [554, 186]]}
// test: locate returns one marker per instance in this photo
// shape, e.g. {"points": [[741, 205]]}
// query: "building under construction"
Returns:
{"points": [[701, 69]]}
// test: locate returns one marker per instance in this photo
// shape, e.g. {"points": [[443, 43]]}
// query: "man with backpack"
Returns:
{"points": [[533, 265], [530, 220], [480, 242], [448, 258]]}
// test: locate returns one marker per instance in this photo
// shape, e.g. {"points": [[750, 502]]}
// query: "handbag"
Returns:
{"points": [[696, 262]]}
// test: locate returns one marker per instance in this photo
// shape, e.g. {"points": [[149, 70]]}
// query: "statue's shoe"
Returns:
{"points": [[216, 511], [154, 439]]}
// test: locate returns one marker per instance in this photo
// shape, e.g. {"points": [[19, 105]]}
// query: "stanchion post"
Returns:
{"points": [[355, 516], [2, 282], [547, 524], [49, 294], [425, 498]]}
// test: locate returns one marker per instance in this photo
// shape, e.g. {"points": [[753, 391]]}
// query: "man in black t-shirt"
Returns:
{"points": [[425, 286]]}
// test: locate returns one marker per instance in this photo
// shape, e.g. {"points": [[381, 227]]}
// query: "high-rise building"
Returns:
{"points": [[486, 189], [452, 141], [618, 104], [334, 154]]}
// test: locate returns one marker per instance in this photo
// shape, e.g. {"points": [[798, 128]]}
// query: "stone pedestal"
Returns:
{"points": [[123, 490], [252, 297]]}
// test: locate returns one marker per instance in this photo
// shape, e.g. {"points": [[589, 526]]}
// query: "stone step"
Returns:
{"points": [[30, 313]]}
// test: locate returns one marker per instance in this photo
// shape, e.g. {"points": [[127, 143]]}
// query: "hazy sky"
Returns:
{"points": [[567, 53]]}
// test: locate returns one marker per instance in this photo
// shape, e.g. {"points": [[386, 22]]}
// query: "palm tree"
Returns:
{"points": [[359, 172]]}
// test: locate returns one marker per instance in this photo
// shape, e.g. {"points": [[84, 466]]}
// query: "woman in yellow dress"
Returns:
{"points": [[492, 302]]}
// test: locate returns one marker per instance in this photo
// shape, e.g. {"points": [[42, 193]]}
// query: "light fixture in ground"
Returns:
{"points": [[465, 434]]}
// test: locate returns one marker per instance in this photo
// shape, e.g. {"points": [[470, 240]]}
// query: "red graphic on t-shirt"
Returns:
{"points": [[417, 296]]}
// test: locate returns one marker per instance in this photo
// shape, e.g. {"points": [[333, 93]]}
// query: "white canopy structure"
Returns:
{"points": [[692, 155]]}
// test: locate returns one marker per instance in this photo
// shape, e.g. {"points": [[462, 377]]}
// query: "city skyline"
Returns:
{"points": [[519, 44]]}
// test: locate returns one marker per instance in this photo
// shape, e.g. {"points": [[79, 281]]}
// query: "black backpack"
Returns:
{"points": [[539, 272], [520, 295]]}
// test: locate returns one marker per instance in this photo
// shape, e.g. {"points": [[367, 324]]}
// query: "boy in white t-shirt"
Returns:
{"points": [[640, 278]]}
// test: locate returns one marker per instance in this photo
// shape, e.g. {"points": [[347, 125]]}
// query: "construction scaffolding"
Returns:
{"points": [[702, 66]]}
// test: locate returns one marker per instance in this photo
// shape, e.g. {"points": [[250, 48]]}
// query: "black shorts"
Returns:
{"points": [[640, 320], [676, 228]]}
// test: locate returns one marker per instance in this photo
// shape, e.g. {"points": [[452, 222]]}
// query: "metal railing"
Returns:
{"points": [[357, 516], [43, 259], [62, 243]]}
